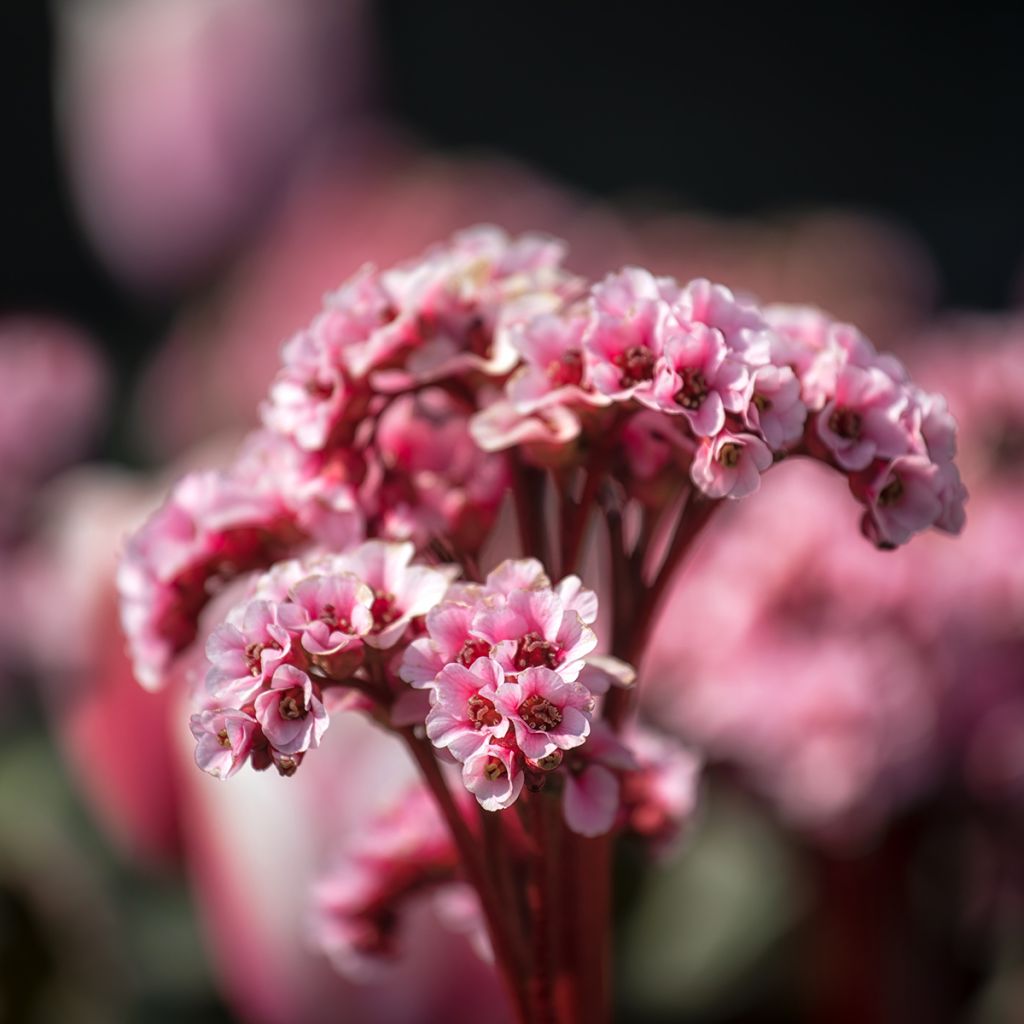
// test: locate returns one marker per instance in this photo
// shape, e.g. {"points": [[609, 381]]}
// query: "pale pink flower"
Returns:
{"points": [[449, 641], [698, 378], [626, 335], [903, 498], [547, 711], [224, 740], [494, 775], [431, 479], [660, 794], [703, 302], [861, 421], [401, 592], [730, 465], [243, 657], [591, 799], [330, 613], [776, 410], [309, 397], [291, 712], [534, 628], [464, 716], [554, 367], [210, 525]]}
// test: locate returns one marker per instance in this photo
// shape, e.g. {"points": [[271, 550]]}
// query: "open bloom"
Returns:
{"points": [[730, 465]]}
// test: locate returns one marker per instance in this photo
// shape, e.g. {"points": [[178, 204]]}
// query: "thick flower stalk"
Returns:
{"points": [[421, 410]]}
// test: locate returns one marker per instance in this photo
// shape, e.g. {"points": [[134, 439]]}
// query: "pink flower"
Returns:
{"points": [[464, 716], [210, 525], [904, 498], [401, 592], [224, 740], [698, 379], [534, 628], [626, 334], [730, 465], [309, 397], [547, 711], [554, 367], [449, 640], [291, 713], [244, 657], [591, 799], [776, 411], [331, 613], [494, 775], [861, 421]]}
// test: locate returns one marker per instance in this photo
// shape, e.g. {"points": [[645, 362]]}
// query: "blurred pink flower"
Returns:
{"points": [[183, 120]]}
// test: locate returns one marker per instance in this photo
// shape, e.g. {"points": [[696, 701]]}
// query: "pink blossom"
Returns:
{"points": [[291, 712], [547, 711], [730, 465], [244, 657], [534, 628], [401, 592], [626, 335], [464, 716], [331, 613], [309, 396], [494, 775], [904, 498], [698, 379], [703, 302], [861, 421], [449, 640], [776, 411], [554, 367], [224, 740], [210, 525]]}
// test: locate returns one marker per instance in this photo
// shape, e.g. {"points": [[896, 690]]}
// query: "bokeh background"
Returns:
{"points": [[181, 181]]}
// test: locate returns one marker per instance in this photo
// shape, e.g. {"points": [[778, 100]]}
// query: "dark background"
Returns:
{"points": [[915, 117]]}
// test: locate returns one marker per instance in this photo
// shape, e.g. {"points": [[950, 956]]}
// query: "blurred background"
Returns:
{"points": [[183, 179]]}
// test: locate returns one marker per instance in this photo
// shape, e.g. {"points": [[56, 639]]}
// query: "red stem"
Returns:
{"points": [[507, 957]]}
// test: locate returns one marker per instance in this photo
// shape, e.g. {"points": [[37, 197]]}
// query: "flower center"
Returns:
{"points": [[891, 493], [636, 364], [566, 370], [319, 390], [252, 657], [729, 454], [761, 403], [292, 705], [329, 615], [473, 648], [481, 712], [539, 713], [846, 423], [383, 610], [495, 769], [222, 738], [693, 389], [533, 651]]}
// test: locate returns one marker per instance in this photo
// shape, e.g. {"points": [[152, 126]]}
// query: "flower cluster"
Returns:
{"points": [[395, 410], [735, 388], [502, 661], [307, 626]]}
